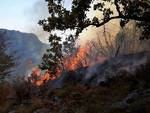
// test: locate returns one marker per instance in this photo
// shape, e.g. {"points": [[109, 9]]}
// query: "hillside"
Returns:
{"points": [[26, 49], [126, 92]]}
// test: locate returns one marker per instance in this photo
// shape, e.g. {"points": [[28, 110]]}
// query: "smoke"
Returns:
{"points": [[90, 33], [39, 11], [93, 33], [36, 12]]}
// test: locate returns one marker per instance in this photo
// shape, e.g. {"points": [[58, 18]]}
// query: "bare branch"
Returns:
{"points": [[117, 7], [136, 18]]}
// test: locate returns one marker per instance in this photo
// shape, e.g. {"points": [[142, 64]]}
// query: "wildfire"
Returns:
{"points": [[39, 79], [77, 60]]}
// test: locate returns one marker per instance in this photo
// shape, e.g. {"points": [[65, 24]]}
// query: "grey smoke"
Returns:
{"points": [[26, 49], [37, 12]]}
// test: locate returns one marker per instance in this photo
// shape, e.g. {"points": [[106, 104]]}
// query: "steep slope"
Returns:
{"points": [[99, 73], [26, 48], [126, 92]]}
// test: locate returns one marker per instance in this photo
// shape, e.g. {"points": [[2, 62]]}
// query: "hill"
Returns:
{"points": [[125, 89], [26, 49]]}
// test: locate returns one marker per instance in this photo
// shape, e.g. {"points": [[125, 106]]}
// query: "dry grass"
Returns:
{"points": [[77, 98]]}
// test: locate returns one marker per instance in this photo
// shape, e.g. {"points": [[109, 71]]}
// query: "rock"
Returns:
{"points": [[42, 110], [56, 99], [146, 93], [131, 97], [119, 105], [12, 111]]}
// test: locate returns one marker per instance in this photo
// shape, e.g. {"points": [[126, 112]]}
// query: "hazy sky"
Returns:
{"points": [[12, 13], [23, 15], [20, 14]]}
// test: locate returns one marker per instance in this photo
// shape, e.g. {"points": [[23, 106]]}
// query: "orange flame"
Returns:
{"points": [[77, 60], [39, 79]]}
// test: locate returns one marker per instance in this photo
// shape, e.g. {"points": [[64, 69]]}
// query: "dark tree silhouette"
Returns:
{"points": [[6, 61], [62, 19], [52, 60]]}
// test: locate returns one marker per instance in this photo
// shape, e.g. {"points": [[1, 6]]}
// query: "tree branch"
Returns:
{"points": [[117, 7], [120, 17]]}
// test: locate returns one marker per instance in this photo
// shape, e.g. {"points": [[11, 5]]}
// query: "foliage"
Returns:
{"points": [[6, 61], [80, 98], [62, 19], [126, 41], [52, 60]]}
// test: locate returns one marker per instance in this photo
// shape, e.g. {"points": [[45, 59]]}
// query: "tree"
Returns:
{"points": [[62, 19], [6, 61], [52, 59]]}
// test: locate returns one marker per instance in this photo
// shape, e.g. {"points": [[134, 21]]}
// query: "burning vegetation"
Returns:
{"points": [[121, 93], [70, 63], [94, 52], [105, 76], [39, 79]]}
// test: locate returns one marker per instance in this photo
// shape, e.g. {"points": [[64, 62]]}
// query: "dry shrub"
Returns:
{"points": [[129, 40], [7, 96], [23, 90], [6, 91], [125, 42], [36, 103]]}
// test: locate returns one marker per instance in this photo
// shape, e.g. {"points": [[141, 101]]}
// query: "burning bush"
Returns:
{"points": [[96, 51], [38, 78], [81, 58]]}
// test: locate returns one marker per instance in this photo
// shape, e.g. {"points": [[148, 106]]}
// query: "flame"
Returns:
{"points": [[36, 72], [80, 59], [39, 79], [77, 60]]}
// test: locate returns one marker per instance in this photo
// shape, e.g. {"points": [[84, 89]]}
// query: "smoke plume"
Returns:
{"points": [[36, 12]]}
